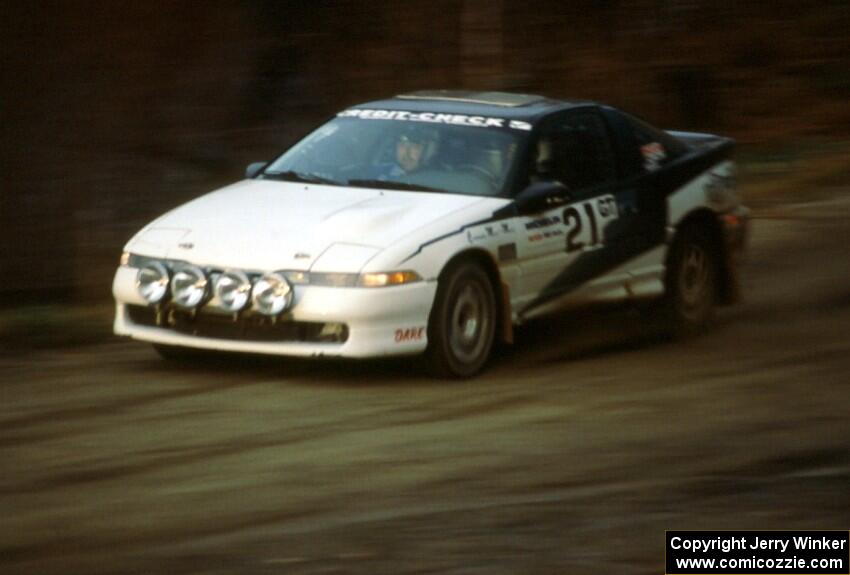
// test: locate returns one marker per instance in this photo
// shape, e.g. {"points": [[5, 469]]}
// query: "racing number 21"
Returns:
{"points": [[575, 216]]}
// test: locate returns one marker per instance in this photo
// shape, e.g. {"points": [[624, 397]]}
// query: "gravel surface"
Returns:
{"points": [[572, 454]]}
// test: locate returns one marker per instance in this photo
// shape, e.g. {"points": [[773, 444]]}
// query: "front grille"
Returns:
{"points": [[244, 328]]}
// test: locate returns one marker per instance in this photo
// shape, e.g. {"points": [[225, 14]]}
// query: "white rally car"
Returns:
{"points": [[433, 223]]}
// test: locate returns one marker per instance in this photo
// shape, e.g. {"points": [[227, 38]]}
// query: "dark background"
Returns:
{"points": [[581, 443], [114, 112]]}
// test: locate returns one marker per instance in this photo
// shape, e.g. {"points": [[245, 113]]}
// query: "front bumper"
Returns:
{"points": [[378, 321]]}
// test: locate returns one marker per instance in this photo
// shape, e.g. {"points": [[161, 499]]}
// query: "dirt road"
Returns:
{"points": [[572, 454]]}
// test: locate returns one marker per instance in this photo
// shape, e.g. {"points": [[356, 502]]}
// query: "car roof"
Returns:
{"points": [[527, 107]]}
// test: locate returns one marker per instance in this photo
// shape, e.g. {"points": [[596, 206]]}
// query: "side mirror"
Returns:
{"points": [[253, 169], [541, 196]]}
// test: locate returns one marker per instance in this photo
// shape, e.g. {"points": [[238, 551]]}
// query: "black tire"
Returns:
{"points": [[462, 325], [691, 283]]}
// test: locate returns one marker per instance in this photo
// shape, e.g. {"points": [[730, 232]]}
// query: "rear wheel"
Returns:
{"points": [[462, 325], [691, 283]]}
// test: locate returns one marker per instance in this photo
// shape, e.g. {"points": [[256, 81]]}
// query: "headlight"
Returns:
{"points": [[233, 289], [152, 282], [189, 287], [388, 278], [272, 294], [125, 258]]}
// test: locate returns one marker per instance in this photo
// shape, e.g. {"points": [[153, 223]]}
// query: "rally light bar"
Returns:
{"points": [[189, 286]]}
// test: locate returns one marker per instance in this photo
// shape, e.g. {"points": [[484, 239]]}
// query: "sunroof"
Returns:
{"points": [[506, 99]]}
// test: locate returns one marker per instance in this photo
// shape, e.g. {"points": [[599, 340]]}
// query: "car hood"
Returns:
{"points": [[258, 224]]}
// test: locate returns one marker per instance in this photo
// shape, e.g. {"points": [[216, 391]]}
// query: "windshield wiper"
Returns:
{"points": [[391, 185], [293, 176]]}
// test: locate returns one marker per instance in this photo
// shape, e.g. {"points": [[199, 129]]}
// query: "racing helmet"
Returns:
{"points": [[426, 136]]}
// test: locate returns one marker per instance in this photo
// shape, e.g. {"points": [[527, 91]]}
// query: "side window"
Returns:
{"points": [[575, 151]]}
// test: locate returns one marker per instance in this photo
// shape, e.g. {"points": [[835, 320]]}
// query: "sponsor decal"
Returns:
{"points": [[653, 156], [489, 231], [434, 118], [519, 125], [543, 222], [586, 222], [583, 224], [544, 235], [409, 334]]}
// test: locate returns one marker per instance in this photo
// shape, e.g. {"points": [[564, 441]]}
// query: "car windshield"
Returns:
{"points": [[406, 151]]}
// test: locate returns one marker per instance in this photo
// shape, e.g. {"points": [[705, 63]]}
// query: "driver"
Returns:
{"points": [[412, 149], [409, 151]]}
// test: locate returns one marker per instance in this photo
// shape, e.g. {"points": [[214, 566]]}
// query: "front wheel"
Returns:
{"points": [[462, 325]]}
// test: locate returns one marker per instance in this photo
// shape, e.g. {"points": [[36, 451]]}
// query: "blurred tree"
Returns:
{"points": [[113, 112], [482, 63]]}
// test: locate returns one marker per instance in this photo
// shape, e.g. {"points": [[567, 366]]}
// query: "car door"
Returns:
{"points": [[586, 232], [645, 158]]}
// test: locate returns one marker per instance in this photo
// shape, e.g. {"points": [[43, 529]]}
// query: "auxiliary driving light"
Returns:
{"points": [[189, 287], [272, 294], [233, 290], [152, 282]]}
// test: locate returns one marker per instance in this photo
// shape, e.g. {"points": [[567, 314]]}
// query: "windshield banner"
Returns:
{"points": [[434, 118]]}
